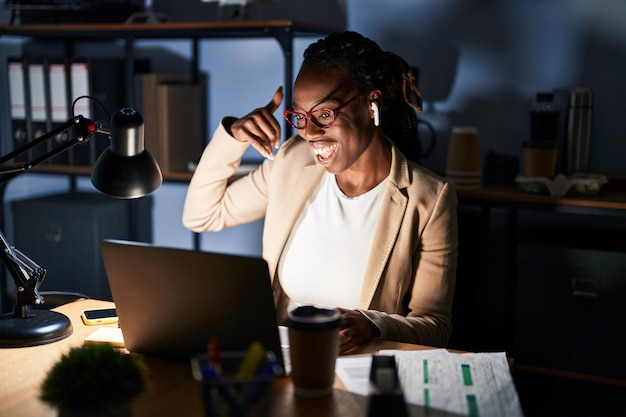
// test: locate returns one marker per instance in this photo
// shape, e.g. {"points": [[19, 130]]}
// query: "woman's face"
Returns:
{"points": [[339, 146]]}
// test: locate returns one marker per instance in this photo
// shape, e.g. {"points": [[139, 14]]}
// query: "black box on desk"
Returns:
{"points": [[62, 233]]}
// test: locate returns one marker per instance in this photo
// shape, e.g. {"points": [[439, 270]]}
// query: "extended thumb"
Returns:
{"points": [[276, 100]]}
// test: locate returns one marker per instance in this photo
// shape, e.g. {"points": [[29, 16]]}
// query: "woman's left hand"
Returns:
{"points": [[356, 329]]}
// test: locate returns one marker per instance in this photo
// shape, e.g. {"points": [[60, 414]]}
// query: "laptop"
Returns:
{"points": [[171, 301]]}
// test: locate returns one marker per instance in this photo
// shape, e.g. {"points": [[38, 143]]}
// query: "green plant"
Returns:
{"points": [[94, 377]]}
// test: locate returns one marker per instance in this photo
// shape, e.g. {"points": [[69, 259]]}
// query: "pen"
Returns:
{"points": [[251, 362], [240, 391], [255, 390], [213, 373], [213, 354], [230, 402]]}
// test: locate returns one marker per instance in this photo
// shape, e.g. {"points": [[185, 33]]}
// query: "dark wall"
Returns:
{"points": [[481, 63]]}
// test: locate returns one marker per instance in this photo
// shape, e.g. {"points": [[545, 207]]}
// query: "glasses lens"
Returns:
{"points": [[296, 120], [323, 117]]}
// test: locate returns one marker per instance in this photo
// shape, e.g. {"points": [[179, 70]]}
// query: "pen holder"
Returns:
{"points": [[225, 393]]}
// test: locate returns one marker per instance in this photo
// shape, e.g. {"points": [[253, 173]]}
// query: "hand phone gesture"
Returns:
{"points": [[260, 128]]}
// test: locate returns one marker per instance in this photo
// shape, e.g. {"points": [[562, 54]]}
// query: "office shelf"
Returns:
{"points": [[165, 30], [283, 31]]}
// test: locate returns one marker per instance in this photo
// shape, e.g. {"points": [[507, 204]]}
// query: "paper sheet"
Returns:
{"points": [[441, 383], [106, 335]]}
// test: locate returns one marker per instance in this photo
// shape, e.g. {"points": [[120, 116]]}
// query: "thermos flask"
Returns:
{"points": [[579, 130]]}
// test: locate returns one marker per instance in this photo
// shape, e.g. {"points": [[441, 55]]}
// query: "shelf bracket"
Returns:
{"points": [[284, 36]]}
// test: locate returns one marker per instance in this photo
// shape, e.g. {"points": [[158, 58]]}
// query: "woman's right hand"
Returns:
{"points": [[260, 128]]}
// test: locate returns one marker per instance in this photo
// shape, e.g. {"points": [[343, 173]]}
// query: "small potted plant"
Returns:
{"points": [[94, 381]]}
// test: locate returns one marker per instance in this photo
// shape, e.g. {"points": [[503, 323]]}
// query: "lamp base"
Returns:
{"points": [[38, 328]]}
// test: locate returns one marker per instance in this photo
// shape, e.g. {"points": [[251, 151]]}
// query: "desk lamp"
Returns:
{"points": [[125, 169]]}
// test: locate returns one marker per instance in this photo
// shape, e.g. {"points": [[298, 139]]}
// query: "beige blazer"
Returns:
{"points": [[410, 276]]}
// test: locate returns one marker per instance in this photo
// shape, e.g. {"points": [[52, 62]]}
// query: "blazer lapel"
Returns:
{"points": [[390, 218]]}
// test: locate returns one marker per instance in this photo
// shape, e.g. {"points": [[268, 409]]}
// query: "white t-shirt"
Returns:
{"points": [[324, 260]]}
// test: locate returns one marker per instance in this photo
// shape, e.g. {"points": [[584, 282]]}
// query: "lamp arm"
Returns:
{"points": [[84, 129], [124, 170], [27, 275]]}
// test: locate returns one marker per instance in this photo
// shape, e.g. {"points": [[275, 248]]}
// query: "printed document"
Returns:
{"points": [[439, 383]]}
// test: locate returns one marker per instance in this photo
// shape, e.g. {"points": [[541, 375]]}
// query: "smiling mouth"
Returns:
{"points": [[324, 153]]}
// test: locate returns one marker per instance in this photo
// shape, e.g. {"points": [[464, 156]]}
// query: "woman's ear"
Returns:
{"points": [[376, 113], [376, 105]]}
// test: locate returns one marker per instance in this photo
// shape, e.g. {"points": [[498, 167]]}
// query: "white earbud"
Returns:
{"points": [[376, 113]]}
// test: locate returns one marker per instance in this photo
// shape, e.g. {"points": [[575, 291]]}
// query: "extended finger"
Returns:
{"points": [[260, 142], [346, 342], [260, 129]]}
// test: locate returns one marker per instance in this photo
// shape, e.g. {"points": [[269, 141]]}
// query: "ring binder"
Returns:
{"points": [[59, 103], [17, 96], [37, 105]]}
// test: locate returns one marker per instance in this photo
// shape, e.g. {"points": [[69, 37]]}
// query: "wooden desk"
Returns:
{"points": [[174, 392], [610, 200]]}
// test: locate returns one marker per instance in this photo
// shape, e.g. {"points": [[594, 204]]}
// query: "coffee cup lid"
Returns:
{"points": [[313, 318]]}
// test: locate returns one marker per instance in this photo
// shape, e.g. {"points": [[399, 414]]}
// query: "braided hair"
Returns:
{"points": [[364, 63]]}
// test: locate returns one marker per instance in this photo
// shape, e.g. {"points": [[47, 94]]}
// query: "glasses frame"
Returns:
{"points": [[309, 116]]}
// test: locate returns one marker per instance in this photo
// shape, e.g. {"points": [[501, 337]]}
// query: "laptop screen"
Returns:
{"points": [[171, 301]]}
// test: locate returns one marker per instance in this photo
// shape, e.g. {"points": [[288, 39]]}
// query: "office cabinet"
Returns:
{"points": [[544, 278], [62, 233], [570, 305]]}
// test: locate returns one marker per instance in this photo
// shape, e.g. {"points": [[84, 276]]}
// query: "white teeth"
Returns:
{"points": [[325, 149]]}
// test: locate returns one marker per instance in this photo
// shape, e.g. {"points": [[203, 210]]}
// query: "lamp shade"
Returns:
{"points": [[126, 169]]}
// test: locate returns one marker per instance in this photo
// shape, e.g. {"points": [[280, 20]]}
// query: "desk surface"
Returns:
{"points": [[606, 199], [173, 392]]}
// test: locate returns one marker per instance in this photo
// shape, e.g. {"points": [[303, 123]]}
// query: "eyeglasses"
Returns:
{"points": [[322, 118]]}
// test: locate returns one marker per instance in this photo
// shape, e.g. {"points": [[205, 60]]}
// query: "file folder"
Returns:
{"points": [[58, 95], [180, 126], [172, 109], [151, 111], [37, 106], [102, 79], [17, 97], [47, 92]]}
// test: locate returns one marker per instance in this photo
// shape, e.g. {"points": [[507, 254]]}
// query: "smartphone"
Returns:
{"points": [[97, 316]]}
